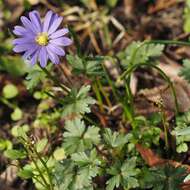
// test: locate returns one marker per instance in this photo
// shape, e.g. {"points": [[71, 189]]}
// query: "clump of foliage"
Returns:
{"points": [[79, 149], [186, 15], [181, 132], [164, 177]]}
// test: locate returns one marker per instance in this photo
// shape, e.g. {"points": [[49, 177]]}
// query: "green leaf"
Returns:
{"points": [[10, 91], [15, 131], [123, 174], [39, 95], [144, 53], [16, 114], [183, 147], [34, 77], [22, 132], [69, 176], [83, 179], [187, 178], [77, 102], [59, 154], [90, 67], [114, 139], [82, 159], [165, 177], [92, 135], [5, 144], [111, 3], [78, 137], [41, 144], [76, 62], [13, 65], [64, 174], [185, 131], [72, 137], [88, 167], [182, 132], [113, 182], [25, 173], [185, 71], [15, 154]]}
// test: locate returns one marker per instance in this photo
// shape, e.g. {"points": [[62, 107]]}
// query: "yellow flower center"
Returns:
{"points": [[42, 39]]}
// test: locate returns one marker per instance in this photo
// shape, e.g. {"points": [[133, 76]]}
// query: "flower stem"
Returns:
{"points": [[56, 81], [133, 67], [165, 125], [7, 103], [170, 84], [127, 110], [40, 172], [129, 95], [165, 77], [45, 166], [104, 93], [30, 154], [98, 95], [166, 42], [111, 84], [88, 119]]}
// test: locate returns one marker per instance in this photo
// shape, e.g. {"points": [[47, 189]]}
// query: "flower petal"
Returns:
{"points": [[34, 58], [19, 30], [27, 24], [23, 41], [59, 33], [55, 25], [63, 41], [43, 57], [53, 57], [47, 20], [35, 19], [56, 49], [21, 48], [31, 51], [27, 33]]}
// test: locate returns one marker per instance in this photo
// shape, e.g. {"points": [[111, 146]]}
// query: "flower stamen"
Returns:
{"points": [[42, 39]]}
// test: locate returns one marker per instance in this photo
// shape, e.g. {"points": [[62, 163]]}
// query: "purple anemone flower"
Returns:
{"points": [[41, 41]]}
